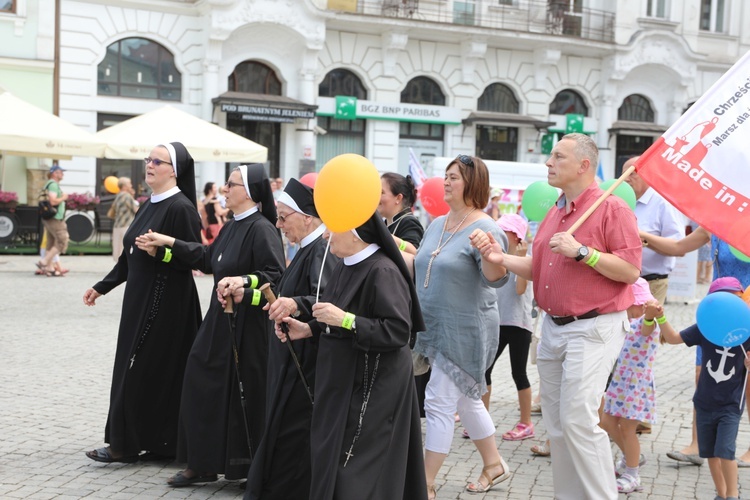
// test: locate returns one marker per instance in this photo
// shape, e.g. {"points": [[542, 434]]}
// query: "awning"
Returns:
{"points": [[641, 128], [263, 107], [505, 118]]}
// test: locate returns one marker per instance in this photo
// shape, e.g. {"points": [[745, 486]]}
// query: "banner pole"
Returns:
{"points": [[601, 199]]}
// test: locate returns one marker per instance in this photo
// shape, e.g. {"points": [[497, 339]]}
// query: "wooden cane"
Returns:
{"points": [[271, 298], [601, 199]]}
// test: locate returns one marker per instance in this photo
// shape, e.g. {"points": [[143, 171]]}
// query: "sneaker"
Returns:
{"points": [[620, 467], [628, 484], [520, 432]]}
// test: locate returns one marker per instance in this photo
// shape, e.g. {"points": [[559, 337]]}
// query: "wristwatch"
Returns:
{"points": [[583, 252], [245, 281]]}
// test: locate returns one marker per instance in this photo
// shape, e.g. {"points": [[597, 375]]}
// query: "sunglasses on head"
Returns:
{"points": [[466, 160]]}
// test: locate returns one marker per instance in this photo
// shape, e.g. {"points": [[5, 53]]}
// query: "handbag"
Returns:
{"points": [[46, 209], [421, 364], [111, 212]]}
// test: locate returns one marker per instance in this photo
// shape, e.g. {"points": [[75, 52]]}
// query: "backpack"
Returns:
{"points": [[46, 209]]}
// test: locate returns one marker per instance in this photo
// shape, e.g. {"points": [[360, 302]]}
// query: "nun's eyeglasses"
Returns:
{"points": [[155, 161], [466, 160], [283, 218], [231, 184]]}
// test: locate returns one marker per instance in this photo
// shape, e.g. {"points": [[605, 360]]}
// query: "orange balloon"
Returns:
{"points": [[746, 296], [110, 184], [347, 192]]}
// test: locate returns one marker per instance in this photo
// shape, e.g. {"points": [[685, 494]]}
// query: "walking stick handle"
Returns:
{"points": [[229, 308], [268, 293], [271, 298]]}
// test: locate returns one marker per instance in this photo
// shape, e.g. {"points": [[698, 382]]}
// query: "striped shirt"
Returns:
{"points": [[125, 208]]}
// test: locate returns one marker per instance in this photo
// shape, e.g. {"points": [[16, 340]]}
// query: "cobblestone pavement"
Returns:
{"points": [[55, 368]]}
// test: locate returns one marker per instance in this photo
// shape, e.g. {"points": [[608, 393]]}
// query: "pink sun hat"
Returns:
{"points": [[726, 284], [641, 292], [513, 223]]}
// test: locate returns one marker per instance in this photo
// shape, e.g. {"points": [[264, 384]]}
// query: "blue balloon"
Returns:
{"points": [[724, 319]]}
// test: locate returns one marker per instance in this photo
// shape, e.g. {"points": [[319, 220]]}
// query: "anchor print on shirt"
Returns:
{"points": [[718, 375]]}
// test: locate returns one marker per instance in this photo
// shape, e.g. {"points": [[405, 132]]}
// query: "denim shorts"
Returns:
{"points": [[717, 432], [698, 355]]}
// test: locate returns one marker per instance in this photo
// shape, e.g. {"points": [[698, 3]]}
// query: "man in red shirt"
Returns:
{"points": [[582, 281]]}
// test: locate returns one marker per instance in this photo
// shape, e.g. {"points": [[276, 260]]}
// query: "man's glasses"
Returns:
{"points": [[283, 218], [155, 161], [466, 160], [231, 184]]}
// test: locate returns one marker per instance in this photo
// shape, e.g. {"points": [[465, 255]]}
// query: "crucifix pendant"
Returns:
{"points": [[349, 455], [132, 360]]}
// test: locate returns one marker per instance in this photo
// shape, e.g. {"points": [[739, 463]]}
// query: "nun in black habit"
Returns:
{"points": [[160, 317], [212, 434], [366, 438], [281, 467]]}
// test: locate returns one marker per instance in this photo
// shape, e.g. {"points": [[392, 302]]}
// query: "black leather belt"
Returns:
{"points": [[653, 277], [564, 320]]}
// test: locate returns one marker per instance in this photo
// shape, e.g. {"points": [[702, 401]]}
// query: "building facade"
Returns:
{"points": [[310, 79], [27, 71]]}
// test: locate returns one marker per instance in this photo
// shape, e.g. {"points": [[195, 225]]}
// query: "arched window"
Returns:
{"points": [[137, 67], [422, 90], [497, 142], [342, 82], [568, 102], [498, 98], [254, 78], [342, 135], [636, 108]]}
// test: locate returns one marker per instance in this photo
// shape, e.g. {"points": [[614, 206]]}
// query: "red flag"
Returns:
{"points": [[702, 163]]}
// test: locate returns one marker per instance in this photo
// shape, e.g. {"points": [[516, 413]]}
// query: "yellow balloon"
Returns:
{"points": [[110, 184], [347, 192]]}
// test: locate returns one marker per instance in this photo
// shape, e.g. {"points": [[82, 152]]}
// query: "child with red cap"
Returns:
{"points": [[630, 397], [718, 396]]}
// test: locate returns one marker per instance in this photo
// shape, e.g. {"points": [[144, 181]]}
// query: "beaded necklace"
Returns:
{"points": [[440, 244]]}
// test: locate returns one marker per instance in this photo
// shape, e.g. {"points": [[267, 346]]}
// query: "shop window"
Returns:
{"points": [[497, 142], [713, 16], [636, 108], [568, 102], [498, 98], [8, 6], [342, 136], [422, 90], [137, 67], [254, 78]]}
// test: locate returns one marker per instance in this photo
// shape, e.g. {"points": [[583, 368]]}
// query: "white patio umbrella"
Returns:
{"points": [[26, 130], [135, 138]]}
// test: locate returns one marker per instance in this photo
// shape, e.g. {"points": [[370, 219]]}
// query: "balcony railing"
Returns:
{"points": [[552, 17]]}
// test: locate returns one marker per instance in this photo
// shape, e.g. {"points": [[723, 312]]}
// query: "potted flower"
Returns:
{"points": [[81, 202], [8, 200]]}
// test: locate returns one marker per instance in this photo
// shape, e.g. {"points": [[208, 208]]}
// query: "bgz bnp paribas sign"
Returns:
{"points": [[351, 108]]}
